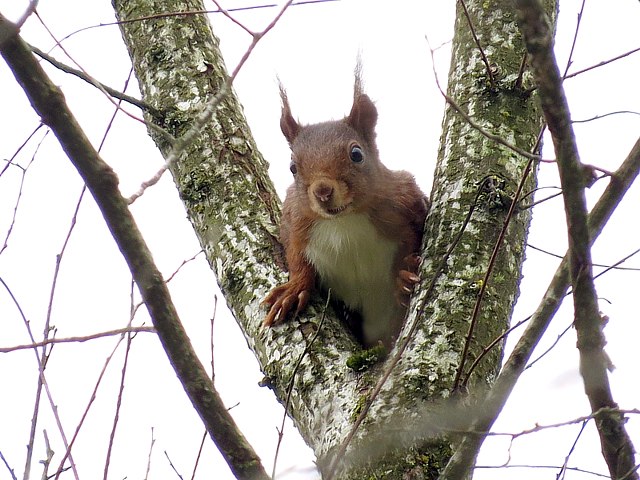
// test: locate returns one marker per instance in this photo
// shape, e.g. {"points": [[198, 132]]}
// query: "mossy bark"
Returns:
{"points": [[223, 182]]}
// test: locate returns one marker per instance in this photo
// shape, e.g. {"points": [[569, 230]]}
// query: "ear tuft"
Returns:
{"points": [[290, 128], [364, 115]]}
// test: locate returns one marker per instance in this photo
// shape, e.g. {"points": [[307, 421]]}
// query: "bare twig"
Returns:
{"points": [[6, 464], [213, 376], [602, 63], [614, 266], [172, 466], [43, 357], [47, 461], [485, 281], [491, 136], [79, 339], [541, 467], [83, 76], [100, 87], [92, 399], [123, 374], [153, 442], [604, 115], [184, 262], [189, 13], [523, 66], [22, 179], [304, 353], [575, 39], [485, 60], [197, 462], [563, 469], [10, 162]]}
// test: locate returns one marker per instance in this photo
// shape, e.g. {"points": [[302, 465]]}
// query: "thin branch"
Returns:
{"points": [[232, 18], [602, 63], [47, 461], [582, 419], [48, 101], [123, 374], [18, 150], [153, 442], [184, 262], [34, 417], [172, 466], [92, 398], [616, 445], [485, 281], [44, 357], [79, 339], [563, 469], [491, 136], [6, 464], [83, 76], [604, 115], [287, 402], [575, 39], [20, 188], [494, 400], [547, 467], [615, 266], [188, 13], [99, 86], [485, 60], [213, 376]]}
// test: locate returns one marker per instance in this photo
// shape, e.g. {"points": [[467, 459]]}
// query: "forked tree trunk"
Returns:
{"points": [[222, 179]]}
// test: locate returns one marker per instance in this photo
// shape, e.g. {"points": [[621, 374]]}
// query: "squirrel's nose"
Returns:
{"points": [[323, 192]]}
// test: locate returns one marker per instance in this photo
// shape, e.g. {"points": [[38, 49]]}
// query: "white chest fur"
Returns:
{"points": [[356, 262]]}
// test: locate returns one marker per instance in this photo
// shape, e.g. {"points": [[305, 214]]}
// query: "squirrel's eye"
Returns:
{"points": [[293, 168], [356, 155]]}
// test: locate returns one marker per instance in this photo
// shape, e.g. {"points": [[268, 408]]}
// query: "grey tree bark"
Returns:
{"points": [[222, 180]]}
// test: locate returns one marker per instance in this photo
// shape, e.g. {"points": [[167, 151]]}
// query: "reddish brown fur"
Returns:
{"points": [[327, 180]]}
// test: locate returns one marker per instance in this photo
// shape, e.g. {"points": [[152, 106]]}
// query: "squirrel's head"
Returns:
{"points": [[336, 162]]}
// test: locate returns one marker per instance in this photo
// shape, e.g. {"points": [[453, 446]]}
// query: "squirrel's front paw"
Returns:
{"points": [[407, 278], [282, 299]]}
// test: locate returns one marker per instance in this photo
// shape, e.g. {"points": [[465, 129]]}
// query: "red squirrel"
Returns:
{"points": [[348, 223]]}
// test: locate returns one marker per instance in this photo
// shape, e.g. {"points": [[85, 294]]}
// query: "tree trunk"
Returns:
{"points": [[223, 182]]}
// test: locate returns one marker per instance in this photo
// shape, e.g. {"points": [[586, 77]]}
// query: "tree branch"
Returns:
{"points": [[79, 339], [494, 401], [49, 103], [617, 448], [83, 76]]}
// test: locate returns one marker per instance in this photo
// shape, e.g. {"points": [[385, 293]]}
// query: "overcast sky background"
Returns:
{"points": [[313, 50]]}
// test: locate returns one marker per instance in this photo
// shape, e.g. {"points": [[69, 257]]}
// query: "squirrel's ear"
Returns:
{"points": [[363, 116], [290, 128]]}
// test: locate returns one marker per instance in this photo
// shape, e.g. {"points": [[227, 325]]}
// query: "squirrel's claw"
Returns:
{"points": [[407, 278], [282, 299]]}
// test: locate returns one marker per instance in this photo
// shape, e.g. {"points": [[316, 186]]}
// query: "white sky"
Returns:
{"points": [[313, 50]]}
